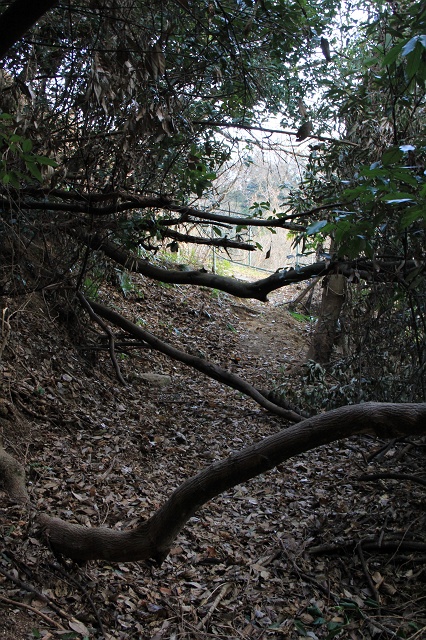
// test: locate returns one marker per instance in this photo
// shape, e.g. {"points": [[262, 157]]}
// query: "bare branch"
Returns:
{"points": [[248, 127], [223, 243], [153, 538], [18, 18], [258, 290], [209, 369], [145, 203]]}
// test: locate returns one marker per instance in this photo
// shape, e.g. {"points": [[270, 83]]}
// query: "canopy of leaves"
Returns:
{"points": [[106, 102], [378, 100], [117, 92]]}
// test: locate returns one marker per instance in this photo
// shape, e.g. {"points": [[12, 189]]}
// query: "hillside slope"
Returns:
{"points": [[100, 453]]}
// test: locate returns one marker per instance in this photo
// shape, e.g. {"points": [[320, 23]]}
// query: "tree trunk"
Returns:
{"points": [[325, 331], [153, 538], [20, 16], [12, 477]]}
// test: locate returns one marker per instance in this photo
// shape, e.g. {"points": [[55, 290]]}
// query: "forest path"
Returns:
{"points": [[100, 453]]}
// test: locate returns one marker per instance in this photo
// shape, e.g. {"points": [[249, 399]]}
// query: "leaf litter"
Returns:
{"points": [[101, 454]]}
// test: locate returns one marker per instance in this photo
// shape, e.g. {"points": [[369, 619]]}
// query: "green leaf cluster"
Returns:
{"points": [[18, 163], [378, 179]]}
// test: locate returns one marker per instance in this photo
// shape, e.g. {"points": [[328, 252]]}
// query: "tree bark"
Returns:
{"points": [[153, 538], [325, 331], [12, 477], [258, 290], [18, 18]]}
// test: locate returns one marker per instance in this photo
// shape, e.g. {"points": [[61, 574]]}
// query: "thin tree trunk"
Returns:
{"points": [[325, 331]]}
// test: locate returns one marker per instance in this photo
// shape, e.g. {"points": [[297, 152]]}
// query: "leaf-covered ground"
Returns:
{"points": [[99, 453]]}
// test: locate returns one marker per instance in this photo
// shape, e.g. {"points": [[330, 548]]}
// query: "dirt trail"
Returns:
{"points": [[273, 334], [99, 453]]}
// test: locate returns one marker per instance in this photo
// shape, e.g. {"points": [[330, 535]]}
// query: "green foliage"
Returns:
{"points": [[91, 288], [300, 317], [380, 359], [18, 164], [146, 115], [156, 95], [379, 178], [126, 283]]}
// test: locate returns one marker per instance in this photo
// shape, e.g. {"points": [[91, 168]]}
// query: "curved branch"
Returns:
{"points": [[12, 477], [151, 201], [136, 202], [20, 16], [258, 290], [209, 369], [153, 538]]}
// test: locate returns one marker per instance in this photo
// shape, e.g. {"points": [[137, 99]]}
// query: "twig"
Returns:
{"points": [[109, 333], [4, 331], [84, 591], [389, 546], [9, 556], [366, 572], [292, 304], [418, 634], [392, 476], [332, 595], [401, 453], [222, 593], [17, 399], [325, 590], [378, 624], [248, 127], [23, 605], [41, 596], [379, 453], [106, 473]]}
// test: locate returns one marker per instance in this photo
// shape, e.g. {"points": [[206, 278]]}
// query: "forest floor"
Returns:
{"points": [[100, 453]]}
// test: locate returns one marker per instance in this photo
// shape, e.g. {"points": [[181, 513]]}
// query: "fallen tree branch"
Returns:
{"points": [[306, 576], [153, 538], [69, 578], [226, 588], [258, 290], [40, 596], [369, 477], [12, 478], [23, 605], [369, 544], [366, 573], [209, 369]]}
